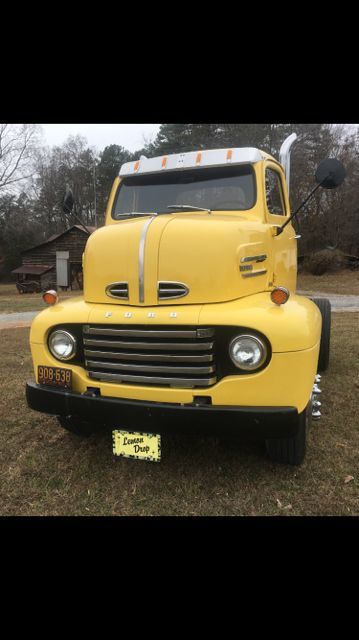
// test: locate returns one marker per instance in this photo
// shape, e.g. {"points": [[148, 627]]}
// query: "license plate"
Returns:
{"points": [[54, 376], [141, 446]]}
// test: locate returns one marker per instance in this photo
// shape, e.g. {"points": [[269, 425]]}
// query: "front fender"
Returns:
{"points": [[294, 326]]}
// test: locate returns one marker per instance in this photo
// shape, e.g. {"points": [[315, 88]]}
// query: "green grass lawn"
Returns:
{"points": [[44, 470]]}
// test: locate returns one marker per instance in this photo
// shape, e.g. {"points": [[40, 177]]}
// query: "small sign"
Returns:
{"points": [[138, 445]]}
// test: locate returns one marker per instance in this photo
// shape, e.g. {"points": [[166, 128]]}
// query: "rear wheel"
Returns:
{"points": [[325, 309], [78, 426], [292, 450]]}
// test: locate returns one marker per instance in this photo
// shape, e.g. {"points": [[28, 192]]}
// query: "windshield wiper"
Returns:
{"points": [[187, 206]]}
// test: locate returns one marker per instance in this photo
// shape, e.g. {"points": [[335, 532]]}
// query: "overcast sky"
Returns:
{"points": [[130, 136]]}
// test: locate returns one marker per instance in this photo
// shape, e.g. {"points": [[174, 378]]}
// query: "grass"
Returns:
{"points": [[44, 470], [344, 282], [13, 302]]}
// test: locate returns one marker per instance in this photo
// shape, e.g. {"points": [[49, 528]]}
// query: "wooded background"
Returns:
{"points": [[33, 179]]}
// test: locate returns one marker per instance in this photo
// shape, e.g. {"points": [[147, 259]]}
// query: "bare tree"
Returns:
{"points": [[18, 143]]}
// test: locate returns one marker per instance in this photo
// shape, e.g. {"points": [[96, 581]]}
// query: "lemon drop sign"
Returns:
{"points": [[141, 446]]}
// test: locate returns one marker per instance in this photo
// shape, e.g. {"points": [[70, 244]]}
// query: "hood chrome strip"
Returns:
{"points": [[141, 259]]}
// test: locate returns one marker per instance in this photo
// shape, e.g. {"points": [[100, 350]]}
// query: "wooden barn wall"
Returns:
{"points": [[74, 242]]}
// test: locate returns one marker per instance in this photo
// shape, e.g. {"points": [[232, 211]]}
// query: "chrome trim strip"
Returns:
{"points": [[141, 259], [259, 258], [145, 368], [254, 273], [173, 382], [148, 357], [139, 333], [162, 346]]}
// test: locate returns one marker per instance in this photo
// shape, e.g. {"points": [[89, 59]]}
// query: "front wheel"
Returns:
{"points": [[292, 450]]}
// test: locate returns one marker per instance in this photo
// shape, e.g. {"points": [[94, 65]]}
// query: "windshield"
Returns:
{"points": [[214, 188]]}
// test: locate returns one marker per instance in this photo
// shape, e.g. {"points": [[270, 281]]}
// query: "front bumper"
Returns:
{"points": [[157, 417]]}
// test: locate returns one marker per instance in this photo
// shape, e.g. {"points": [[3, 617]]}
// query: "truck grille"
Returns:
{"points": [[151, 356]]}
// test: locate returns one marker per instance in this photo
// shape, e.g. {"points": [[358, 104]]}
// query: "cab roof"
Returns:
{"points": [[192, 159]]}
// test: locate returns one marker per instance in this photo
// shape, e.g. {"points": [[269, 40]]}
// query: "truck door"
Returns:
{"points": [[284, 245]]}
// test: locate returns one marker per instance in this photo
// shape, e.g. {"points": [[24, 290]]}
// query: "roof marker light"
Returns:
{"points": [[279, 295], [50, 297], [164, 162], [136, 167], [229, 154], [199, 157]]}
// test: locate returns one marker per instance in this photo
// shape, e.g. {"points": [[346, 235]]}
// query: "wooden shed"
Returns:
{"points": [[55, 263]]}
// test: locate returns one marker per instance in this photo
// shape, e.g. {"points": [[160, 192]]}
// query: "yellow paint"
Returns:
{"points": [[203, 251]]}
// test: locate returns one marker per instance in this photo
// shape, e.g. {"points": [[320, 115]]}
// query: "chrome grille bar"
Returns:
{"points": [[92, 364], [162, 346], [148, 357], [172, 382], [144, 333]]}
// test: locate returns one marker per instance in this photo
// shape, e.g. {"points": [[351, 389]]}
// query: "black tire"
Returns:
{"points": [[291, 450], [77, 426], [325, 309]]}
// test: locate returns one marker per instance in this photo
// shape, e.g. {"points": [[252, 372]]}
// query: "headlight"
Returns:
{"points": [[62, 345], [247, 352]]}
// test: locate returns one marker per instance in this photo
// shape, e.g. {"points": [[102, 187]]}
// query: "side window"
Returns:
{"points": [[274, 194]]}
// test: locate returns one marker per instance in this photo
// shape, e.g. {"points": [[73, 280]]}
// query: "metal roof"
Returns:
{"points": [[32, 269], [58, 235], [192, 159]]}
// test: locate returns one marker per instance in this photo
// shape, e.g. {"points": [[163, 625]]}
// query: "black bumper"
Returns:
{"points": [[155, 417]]}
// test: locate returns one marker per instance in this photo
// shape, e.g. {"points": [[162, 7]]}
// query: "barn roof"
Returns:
{"points": [[58, 235], [33, 269]]}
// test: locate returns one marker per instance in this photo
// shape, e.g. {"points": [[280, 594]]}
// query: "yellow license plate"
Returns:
{"points": [[141, 446]]}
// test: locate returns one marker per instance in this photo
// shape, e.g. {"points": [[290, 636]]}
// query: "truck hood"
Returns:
{"points": [[204, 258]]}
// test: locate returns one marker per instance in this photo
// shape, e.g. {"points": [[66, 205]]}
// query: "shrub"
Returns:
{"points": [[324, 261]]}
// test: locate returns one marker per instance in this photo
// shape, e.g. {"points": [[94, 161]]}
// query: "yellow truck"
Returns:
{"points": [[189, 320]]}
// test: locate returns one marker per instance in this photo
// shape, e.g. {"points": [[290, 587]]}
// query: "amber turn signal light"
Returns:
{"points": [[279, 295], [50, 297]]}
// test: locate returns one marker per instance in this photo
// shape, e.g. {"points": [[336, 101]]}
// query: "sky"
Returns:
{"points": [[130, 136]]}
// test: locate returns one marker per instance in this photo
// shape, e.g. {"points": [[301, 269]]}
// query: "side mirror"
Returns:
{"points": [[68, 202], [330, 173]]}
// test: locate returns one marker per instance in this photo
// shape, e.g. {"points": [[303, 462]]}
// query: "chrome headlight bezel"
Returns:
{"points": [[72, 341], [259, 342]]}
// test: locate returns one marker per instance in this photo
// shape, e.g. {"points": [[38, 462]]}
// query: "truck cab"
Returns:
{"points": [[189, 319]]}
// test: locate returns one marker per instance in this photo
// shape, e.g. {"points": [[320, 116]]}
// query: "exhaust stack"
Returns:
{"points": [[284, 156]]}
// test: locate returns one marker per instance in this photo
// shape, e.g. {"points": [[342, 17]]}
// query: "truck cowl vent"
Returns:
{"points": [[118, 290], [170, 290]]}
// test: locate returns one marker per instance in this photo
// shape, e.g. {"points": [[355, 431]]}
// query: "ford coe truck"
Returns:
{"points": [[189, 320]]}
